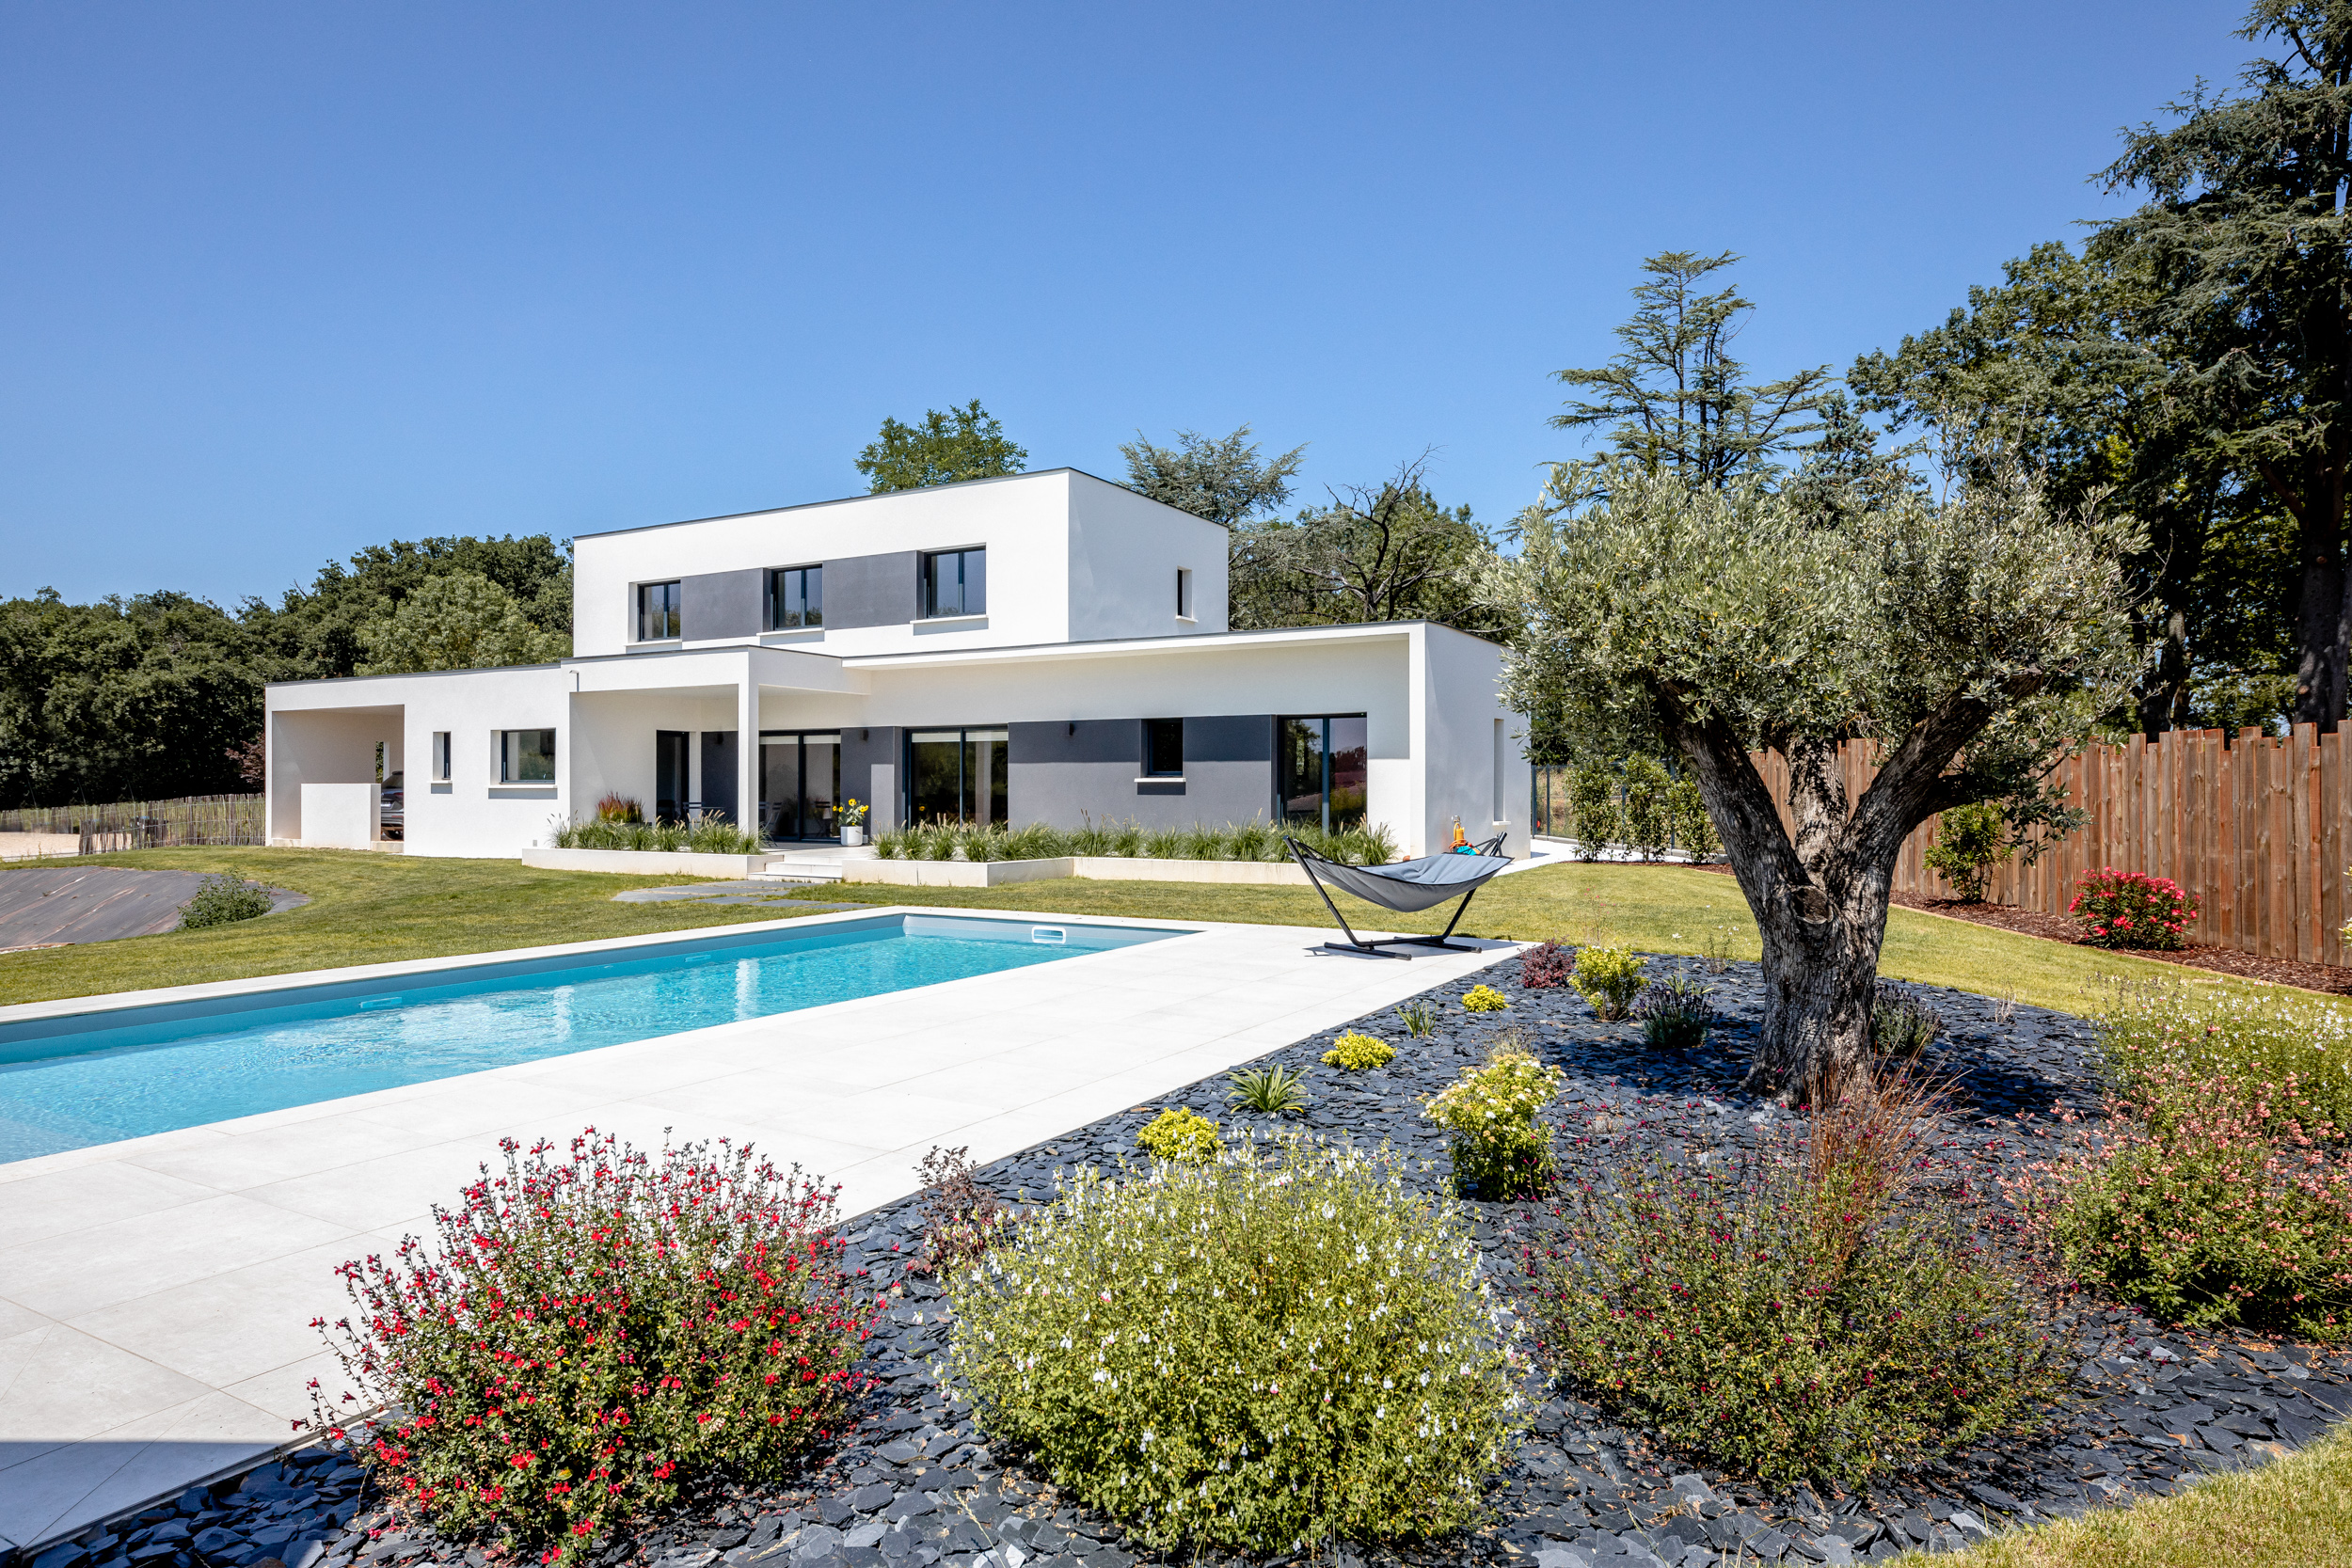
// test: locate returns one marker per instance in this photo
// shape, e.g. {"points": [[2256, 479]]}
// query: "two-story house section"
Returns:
{"points": [[1038, 648]]}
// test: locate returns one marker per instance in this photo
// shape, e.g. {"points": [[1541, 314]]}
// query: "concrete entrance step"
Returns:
{"points": [[817, 863]]}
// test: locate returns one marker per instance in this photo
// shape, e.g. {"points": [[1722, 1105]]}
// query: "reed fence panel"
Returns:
{"points": [[191, 821]]}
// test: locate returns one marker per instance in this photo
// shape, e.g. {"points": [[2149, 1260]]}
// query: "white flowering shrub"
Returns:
{"points": [[1280, 1346]]}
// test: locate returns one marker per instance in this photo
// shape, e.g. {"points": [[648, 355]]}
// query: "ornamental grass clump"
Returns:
{"points": [[1675, 1013], [1609, 978], [1278, 1348], [1781, 1312], [593, 1332], [1355, 1053], [2209, 1200], [1502, 1148]]}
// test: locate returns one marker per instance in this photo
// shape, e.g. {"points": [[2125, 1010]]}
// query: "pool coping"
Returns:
{"points": [[308, 980]]}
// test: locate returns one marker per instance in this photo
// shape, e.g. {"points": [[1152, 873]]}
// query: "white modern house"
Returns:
{"points": [[1024, 649]]}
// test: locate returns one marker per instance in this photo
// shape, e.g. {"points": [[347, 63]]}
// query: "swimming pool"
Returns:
{"points": [[92, 1078]]}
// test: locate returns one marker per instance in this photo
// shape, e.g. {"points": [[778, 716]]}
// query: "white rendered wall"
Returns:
{"points": [[1069, 558], [341, 816], [307, 747], [1124, 553], [471, 813], [1461, 679], [1021, 520]]}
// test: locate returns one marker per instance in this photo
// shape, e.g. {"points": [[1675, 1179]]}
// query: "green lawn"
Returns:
{"points": [[2297, 1511], [364, 909], [1658, 908], [376, 908]]}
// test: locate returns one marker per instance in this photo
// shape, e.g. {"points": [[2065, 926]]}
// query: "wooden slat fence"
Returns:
{"points": [[195, 820], [2259, 828]]}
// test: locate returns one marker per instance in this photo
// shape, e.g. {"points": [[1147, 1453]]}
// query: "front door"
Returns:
{"points": [[799, 784], [669, 775]]}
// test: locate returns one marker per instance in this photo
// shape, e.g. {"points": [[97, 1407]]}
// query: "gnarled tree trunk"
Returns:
{"points": [[1820, 893]]}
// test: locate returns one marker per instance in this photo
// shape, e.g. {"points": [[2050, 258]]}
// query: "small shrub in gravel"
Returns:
{"points": [[960, 1215], [1419, 1018], [1272, 1090], [1181, 1134], [1609, 978], [1263, 1351], [1355, 1053], [594, 1331], [1546, 967], [2127, 908], [1485, 999], [2209, 1201], [1675, 1013], [1902, 1027], [222, 899], [1501, 1148], [1782, 1315]]}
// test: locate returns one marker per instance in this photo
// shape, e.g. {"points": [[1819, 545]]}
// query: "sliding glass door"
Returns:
{"points": [[1321, 771], [955, 775], [800, 784]]}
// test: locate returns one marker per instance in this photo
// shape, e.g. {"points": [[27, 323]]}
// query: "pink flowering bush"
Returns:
{"points": [[593, 1331], [2208, 1199], [2125, 909]]}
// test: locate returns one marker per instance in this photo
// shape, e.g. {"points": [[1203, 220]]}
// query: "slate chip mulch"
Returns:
{"points": [[915, 1483]]}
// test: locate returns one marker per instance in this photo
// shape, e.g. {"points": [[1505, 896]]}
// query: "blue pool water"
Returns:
{"points": [[91, 1079]]}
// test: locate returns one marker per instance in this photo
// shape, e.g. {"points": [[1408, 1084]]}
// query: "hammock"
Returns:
{"points": [[1407, 888]]}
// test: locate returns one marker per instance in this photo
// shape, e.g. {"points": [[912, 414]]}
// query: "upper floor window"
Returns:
{"points": [[661, 613], [796, 597], [954, 582], [1184, 594]]}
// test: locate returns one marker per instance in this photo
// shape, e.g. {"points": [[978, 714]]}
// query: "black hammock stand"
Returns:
{"points": [[1406, 887]]}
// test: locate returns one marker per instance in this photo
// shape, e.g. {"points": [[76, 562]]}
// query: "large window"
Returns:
{"points": [[661, 613], [796, 598], [954, 582], [958, 775], [1320, 771], [800, 784], [526, 756], [1164, 747]]}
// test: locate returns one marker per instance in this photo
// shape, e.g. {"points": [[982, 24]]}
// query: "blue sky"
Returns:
{"points": [[279, 282]]}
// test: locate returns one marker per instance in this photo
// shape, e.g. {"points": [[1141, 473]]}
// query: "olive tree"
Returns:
{"points": [[1970, 639]]}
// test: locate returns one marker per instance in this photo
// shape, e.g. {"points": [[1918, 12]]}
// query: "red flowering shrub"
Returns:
{"points": [[593, 1331], [2207, 1199], [2123, 908], [1547, 966]]}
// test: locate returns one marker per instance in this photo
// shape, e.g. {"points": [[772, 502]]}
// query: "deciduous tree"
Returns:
{"points": [[961, 444], [455, 621]]}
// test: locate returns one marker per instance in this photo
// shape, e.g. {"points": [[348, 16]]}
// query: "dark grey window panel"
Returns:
{"points": [[723, 604], [1230, 737], [870, 771], [870, 590]]}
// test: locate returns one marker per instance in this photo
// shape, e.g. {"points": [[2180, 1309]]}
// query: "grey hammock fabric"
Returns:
{"points": [[1411, 886]]}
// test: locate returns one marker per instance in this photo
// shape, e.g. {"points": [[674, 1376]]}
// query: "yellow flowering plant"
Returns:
{"points": [[1356, 1052], [1501, 1148]]}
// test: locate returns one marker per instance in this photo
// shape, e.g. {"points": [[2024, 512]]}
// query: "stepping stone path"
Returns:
{"points": [[916, 1483]]}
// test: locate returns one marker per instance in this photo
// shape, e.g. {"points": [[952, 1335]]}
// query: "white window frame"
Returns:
{"points": [[440, 758]]}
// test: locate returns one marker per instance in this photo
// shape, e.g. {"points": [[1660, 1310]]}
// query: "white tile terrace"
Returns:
{"points": [[155, 1293]]}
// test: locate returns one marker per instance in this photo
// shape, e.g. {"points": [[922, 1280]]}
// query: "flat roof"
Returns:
{"points": [[876, 495]]}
